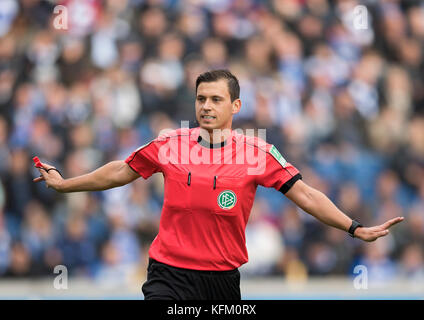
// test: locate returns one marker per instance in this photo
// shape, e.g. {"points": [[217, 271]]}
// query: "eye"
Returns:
{"points": [[200, 99]]}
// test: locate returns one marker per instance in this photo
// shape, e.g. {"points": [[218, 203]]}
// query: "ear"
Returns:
{"points": [[236, 106]]}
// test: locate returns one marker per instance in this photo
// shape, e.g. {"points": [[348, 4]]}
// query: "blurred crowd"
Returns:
{"points": [[344, 104]]}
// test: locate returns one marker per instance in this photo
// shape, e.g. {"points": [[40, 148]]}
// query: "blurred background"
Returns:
{"points": [[345, 105]]}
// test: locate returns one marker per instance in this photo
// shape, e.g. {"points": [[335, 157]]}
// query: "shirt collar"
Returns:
{"points": [[206, 144]]}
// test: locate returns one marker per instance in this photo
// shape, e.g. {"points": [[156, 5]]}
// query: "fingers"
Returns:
{"points": [[43, 172], [42, 176], [38, 179], [385, 226], [44, 166], [375, 235], [43, 169], [383, 233], [392, 222]]}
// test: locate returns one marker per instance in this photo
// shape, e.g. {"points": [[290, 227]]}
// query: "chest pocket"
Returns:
{"points": [[217, 194], [177, 190]]}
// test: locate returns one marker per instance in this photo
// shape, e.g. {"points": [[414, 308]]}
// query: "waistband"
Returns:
{"points": [[206, 272]]}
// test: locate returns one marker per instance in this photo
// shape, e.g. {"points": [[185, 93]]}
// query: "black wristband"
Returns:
{"points": [[355, 224]]}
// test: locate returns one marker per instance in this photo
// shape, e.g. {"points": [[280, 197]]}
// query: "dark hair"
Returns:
{"points": [[215, 75]]}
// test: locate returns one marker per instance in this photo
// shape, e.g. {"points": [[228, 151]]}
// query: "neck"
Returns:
{"points": [[215, 135]]}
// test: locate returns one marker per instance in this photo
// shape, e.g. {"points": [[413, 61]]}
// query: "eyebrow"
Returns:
{"points": [[214, 96]]}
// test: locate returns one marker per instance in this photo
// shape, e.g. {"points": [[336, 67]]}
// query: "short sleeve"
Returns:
{"points": [[144, 160], [278, 174]]}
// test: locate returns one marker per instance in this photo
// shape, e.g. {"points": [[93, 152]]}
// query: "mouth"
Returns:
{"points": [[207, 117]]}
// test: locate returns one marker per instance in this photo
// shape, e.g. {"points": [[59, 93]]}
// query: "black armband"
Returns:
{"points": [[286, 187]]}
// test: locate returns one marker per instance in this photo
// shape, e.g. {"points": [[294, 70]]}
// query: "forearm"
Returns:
{"points": [[102, 178], [322, 208]]}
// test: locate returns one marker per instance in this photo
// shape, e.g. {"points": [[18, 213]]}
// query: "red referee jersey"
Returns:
{"points": [[209, 192]]}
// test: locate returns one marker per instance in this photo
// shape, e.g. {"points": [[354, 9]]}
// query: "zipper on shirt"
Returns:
{"points": [[214, 182], [189, 179]]}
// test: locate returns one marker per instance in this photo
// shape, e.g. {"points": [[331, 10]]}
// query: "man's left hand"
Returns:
{"points": [[373, 233]]}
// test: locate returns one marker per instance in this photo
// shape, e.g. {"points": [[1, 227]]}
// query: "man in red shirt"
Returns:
{"points": [[211, 174]]}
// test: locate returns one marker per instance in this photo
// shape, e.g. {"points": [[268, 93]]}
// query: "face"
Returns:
{"points": [[214, 109]]}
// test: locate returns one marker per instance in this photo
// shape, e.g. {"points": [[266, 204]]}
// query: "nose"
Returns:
{"points": [[207, 106]]}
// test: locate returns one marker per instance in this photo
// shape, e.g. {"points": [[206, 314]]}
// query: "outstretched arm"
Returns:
{"points": [[318, 205], [111, 175]]}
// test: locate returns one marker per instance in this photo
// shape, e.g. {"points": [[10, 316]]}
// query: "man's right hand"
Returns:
{"points": [[52, 178], [113, 174]]}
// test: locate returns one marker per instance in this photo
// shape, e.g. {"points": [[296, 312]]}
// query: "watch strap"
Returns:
{"points": [[355, 224]]}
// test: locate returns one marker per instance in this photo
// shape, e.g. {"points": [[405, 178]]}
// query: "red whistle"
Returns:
{"points": [[37, 162]]}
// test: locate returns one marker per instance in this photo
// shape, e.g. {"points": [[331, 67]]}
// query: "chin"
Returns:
{"points": [[208, 126]]}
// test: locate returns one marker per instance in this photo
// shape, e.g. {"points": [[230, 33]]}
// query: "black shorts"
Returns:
{"points": [[165, 282]]}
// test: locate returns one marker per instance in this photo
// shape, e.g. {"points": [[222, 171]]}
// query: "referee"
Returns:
{"points": [[210, 183]]}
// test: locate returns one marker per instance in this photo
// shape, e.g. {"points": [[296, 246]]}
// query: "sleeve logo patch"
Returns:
{"points": [[277, 155]]}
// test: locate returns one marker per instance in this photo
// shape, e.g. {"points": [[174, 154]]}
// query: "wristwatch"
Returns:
{"points": [[355, 224]]}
